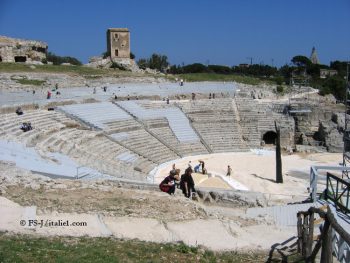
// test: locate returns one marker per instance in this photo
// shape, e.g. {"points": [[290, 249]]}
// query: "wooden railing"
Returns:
{"points": [[329, 241]]}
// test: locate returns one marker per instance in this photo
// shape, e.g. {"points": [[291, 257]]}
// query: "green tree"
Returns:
{"points": [[158, 62], [301, 61], [334, 85], [195, 68], [339, 66], [219, 69], [143, 63]]}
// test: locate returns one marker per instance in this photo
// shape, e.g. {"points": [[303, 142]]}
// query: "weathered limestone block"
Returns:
{"points": [[303, 139], [232, 198], [333, 138], [339, 119]]}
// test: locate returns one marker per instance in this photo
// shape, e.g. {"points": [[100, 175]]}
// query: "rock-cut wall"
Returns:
{"points": [[20, 50]]}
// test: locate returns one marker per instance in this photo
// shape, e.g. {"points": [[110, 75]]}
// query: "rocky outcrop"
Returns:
{"points": [[121, 63], [339, 119], [331, 135], [20, 50]]}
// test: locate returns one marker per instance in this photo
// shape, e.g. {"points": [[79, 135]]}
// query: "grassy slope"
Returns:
{"points": [[58, 249], [96, 73], [221, 77], [74, 70]]}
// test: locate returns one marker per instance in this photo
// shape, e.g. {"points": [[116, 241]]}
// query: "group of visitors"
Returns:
{"points": [[49, 94], [211, 95], [173, 181], [26, 126]]}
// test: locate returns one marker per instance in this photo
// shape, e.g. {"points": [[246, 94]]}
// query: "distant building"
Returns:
{"points": [[118, 42], [324, 73], [20, 50], [244, 65], [314, 59]]}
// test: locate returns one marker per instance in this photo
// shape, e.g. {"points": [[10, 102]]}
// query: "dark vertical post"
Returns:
{"points": [[279, 177], [326, 252], [304, 250], [311, 235], [300, 232]]}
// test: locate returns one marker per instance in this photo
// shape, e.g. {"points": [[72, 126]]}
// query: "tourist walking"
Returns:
{"points": [[229, 171], [204, 171]]}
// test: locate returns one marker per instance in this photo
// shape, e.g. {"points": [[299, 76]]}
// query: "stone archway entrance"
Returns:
{"points": [[270, 137]]}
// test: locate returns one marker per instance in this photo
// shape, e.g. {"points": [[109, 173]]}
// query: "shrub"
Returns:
{"points": [[58, 60], [279, 89], [279, 80], [219, 69], [105, 54], [142, 63], [117, 66], [194, 68]]}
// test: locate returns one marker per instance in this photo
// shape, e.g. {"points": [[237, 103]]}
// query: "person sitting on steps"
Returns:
{"points": [[187, 183], [26, 126], [168, 184], [19, 111]]}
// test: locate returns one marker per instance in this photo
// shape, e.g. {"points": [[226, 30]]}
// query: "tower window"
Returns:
{"points": [[116, 52]]}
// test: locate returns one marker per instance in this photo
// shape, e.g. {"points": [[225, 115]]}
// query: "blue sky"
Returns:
{"points": [[223, 32]]}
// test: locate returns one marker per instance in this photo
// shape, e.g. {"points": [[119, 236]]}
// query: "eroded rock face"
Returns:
{"points": [[339, 119], [125, 63], [331, 135], [20, 50]]}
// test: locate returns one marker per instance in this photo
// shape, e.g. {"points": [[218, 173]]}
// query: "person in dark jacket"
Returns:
{"points": [[168, 184], [187, 183]]}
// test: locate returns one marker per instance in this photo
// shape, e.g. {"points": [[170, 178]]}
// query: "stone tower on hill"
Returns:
{"points": [[118, 43], [314, 59]]}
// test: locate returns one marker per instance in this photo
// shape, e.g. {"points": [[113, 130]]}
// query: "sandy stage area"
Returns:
{"points": [[255, 170]]}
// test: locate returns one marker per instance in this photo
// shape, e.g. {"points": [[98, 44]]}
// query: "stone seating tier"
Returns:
{"points": [[142, 142], [184, 149], [96, 114], [178, 122]]}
